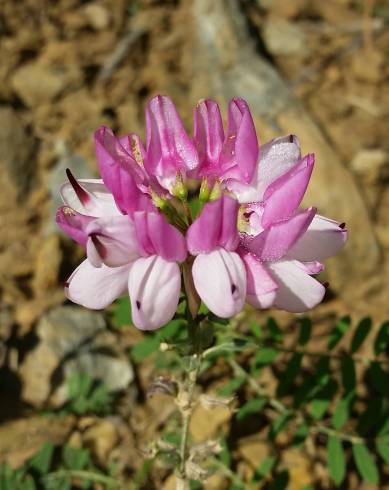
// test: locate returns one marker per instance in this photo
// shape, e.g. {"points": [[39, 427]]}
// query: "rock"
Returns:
{"points": [[97, 16], [283, 38], [16, 149], [72, 340], [101, 439], [369, 164], [254, 451], [299, 469], [21, 439], [37, 83], [368, 66], [205, 423], [47, 265]]}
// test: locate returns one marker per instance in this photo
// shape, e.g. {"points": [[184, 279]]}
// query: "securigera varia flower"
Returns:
{"points": [[250, 241]]}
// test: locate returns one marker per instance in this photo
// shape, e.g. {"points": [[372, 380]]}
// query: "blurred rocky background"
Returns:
{"points": [[315, 68]]}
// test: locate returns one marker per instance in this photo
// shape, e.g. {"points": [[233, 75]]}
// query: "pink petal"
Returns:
{"points": [[73, 224], [261, 287], [239, 155], [99, 200], [122, 175], [169, 149], [244, 193], [208, 135], [157, 237], [274, 242], [297, 291], [112, 241], [215, 227], [285, 194], [154, 286], [324, 238], [220, 280], [276, 158], [96, 288]]}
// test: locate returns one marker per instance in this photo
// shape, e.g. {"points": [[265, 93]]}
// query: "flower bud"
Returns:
{"points": [[179, 189], [204, 190], [216, 191]]}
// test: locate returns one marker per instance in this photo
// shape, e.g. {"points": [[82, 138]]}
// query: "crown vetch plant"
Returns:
{"points": [[251, 241]]}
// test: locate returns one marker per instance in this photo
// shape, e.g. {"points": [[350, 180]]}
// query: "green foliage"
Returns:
{"points": [[45, 472], [316, 393], [365, 463], [336, 459], [87, 396]]}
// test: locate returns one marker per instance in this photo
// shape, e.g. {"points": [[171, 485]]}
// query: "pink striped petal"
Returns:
{"points": [[122, 175], [285, 194], [220, 280], [89, 197], [154, 285], [239, 156], [157, 237], [112, 241], [73, 224], [169, 149], [324, 238], [297, 291], [215, 227], [274, 242], [96, 288], [208, 136], [261, 287]]}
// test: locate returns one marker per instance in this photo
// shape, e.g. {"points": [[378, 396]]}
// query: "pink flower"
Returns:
{"points": [[138, 255], [218, 272], [231, 157], [251, 243]]}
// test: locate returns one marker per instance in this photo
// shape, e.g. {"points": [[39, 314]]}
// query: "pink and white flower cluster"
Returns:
{"points": [[251, 242]]}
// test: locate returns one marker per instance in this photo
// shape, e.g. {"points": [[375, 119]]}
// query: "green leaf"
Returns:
{"points": [[360, 334], [252, 406], [280, 481], [338, 331], [264, 468], [266, 355], [313, 384], [336, 459], [278, 425], [383, 450], [75, 458], [170, 330], [224, 455], [305, 330], [320, 403], [348, 374], [41, 461], [300, 434], [379, 378], [274, 330], [371, 416], [122, 312], [232, 386], [290, 373], [382, 340], [256, 330], [342, 411], [365, 463], [144, 348]]}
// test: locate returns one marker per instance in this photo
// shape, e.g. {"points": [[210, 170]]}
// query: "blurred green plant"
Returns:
{"points": [[70, 468], [87, 396]]}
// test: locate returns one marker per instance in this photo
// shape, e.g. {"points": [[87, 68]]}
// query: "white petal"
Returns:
{"points": [[96, 288], [220, 280], [297, 291], [154, 286], [324, 238]]}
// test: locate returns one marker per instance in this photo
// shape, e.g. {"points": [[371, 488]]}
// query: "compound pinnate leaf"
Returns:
{"points": [[360, 334]]}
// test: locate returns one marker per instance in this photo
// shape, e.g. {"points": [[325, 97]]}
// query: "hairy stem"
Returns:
{"points": [[186, 407]]}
